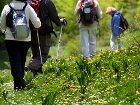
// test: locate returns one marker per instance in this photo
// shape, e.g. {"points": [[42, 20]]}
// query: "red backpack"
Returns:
{"points": [[35, 5], [87, 12]]}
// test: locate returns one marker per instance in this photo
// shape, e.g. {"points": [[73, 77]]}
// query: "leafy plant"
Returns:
{"points": [[49, 99], [84, 74], [4, 94]]}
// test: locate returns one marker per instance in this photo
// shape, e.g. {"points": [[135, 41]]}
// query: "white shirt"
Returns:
{"points": [[30, 15]]}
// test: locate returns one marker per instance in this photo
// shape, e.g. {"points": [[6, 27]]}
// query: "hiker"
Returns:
{"points": [[88, 25], [40, 46], [115, 29], [17, 47]]}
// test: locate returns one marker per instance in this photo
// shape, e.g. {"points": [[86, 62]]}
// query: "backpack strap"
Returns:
{"points": [[81, 4], [92, 3], [24, 6], [19, 9], [11, 7]]}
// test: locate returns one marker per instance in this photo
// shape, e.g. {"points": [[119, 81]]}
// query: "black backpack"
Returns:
{"points": [[124, 23], [88, 14]]}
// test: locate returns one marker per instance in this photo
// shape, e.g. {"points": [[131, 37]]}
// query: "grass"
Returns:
{"points": [[112, 78], [109, 79], [4, 63]]}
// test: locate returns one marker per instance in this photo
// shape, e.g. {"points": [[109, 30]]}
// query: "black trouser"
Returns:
{"points": [[17, 51], [44, 42]]}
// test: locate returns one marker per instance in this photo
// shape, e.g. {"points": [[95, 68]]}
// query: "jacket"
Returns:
{"points": [[30, 15], [115, 23], [47, 11]]}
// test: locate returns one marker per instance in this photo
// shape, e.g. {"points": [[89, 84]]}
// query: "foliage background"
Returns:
{"points": [[110, 79], [70, 36]]}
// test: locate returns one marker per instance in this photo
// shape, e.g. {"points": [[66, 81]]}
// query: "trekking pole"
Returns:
{"points": [[59, 42], [41, 61]]}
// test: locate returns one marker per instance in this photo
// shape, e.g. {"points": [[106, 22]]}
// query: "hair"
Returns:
{"points": [[110, 10]]}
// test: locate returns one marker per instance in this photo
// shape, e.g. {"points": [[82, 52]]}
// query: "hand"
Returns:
{"points": [[63, 21], [37, 29]]}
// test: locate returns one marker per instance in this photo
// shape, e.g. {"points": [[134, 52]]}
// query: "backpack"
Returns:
{"points": [[17, 22], [87, 14], [124, 23]]}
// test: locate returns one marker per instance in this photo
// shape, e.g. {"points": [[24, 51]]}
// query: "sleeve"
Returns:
{"points": [[116, 25], [52, 12], [3, 20], [33, 17]]}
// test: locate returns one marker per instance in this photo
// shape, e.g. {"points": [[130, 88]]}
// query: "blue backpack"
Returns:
{"points": [[17, 22]]}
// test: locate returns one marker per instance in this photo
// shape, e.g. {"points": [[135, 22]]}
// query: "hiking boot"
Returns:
{"points": [[30, 70], [19, 85], [40, 70], [35, 72], [92, 56], [26, 68], [49, 56]]}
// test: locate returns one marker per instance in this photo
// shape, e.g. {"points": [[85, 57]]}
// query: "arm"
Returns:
{"points": [[3, 20], [52, 12]]}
